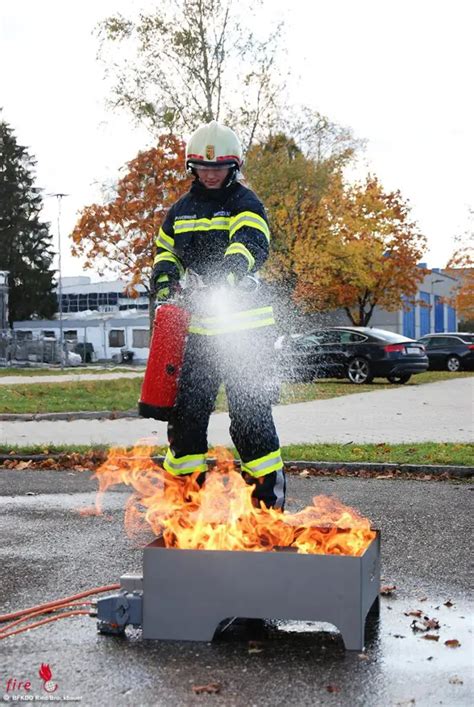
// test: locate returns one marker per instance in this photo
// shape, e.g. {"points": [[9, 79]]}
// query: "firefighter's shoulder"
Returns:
{"points": [[246, 200]]}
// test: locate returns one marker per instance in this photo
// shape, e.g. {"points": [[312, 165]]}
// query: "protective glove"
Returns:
{"points": [[165, 288], [235, 268]]}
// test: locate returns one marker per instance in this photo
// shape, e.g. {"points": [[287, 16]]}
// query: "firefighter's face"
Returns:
{"points": [[212, 177]]}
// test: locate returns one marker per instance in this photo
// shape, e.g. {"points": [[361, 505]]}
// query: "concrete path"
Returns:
{"points": [[69, 377], [439, 412]]}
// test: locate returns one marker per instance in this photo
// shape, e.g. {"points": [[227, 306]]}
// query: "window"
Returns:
{"points": [[24, 335], [70, 334], [48, 334], [140, 338], [116, 338]]}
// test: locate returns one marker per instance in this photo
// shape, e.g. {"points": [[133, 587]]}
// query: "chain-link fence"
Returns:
{"points": [[17, 347]]}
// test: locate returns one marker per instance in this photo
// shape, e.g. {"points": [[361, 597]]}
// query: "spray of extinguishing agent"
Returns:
{"points": [[168, 342]]}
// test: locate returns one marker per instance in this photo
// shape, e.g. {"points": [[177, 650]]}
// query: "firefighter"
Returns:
{"points": [[217, 234]]}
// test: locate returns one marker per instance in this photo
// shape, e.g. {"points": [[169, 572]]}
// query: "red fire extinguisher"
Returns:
{"points": [[168, 340]]}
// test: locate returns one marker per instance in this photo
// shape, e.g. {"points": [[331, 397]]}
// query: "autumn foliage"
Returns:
{"points": [[461, 266], [358, 249], [118, 235]]}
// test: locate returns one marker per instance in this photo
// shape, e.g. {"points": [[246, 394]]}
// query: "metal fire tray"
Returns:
{"points": [[188, 593]]}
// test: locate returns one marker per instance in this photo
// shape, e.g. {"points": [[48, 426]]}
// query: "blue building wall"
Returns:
{"points": [[425, 314], [439, 313], [409, 323]]}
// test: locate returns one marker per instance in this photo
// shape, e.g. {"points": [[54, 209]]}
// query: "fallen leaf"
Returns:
{"points": [[20, 466], [305, 472], [430, 637], [211, 689], [387, 589], [333, 688], [448, 603], [363, 656], [455, 680], [417, 626], [452, 643], [431, 623], [415, 612]]}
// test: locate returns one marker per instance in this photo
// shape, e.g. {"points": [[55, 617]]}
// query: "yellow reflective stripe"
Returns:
{"points": [[184, 465], [243, 314], [194, 329], [164, 241], [240, 249], [170, 258], [218, 223], [248, 218], [264, 465], [238, 321]]}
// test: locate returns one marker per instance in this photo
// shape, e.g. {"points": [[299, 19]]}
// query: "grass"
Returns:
{"points": [[77, 370], [122, 394], [116, 394], [455, 454]]}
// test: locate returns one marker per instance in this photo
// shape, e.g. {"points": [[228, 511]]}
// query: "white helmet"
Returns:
{"points": [[213, 145]]}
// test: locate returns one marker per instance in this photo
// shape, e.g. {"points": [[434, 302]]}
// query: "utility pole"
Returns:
{"points": [[62, 348]]}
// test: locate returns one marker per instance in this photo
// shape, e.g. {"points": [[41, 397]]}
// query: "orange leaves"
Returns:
{"points": [[120, 233], [358, 249]]}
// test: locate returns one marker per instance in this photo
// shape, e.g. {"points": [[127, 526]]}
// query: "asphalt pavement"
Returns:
{"points": [[48, 551], [440, 412]]}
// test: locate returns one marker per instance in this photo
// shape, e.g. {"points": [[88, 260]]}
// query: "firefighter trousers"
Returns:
{"points": [[243, 362]]}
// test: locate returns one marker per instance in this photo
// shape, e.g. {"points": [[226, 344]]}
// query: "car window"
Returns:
{"points": [[467, 338], [308, 341], [331, 337]]}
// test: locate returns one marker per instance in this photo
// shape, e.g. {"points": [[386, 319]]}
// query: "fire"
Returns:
{"points": [[221, 514]]}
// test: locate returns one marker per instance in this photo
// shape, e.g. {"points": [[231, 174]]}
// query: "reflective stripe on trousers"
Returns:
{"points": [[184, 465]]}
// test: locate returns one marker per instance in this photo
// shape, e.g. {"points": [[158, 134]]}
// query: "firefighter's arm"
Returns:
{"points": [[249, 237], [167, 266]]}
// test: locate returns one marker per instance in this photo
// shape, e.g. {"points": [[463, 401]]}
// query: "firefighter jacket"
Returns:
{"points": [[213, 232]]}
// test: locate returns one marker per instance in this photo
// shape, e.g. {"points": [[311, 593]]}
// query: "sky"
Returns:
{"points": [[397, 72]]}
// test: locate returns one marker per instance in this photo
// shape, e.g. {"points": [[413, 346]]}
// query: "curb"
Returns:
{"points": [[68, 416], [459, 472]]}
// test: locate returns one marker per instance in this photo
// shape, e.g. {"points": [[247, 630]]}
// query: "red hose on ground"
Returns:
{"points": [[44, 621], [27, 617], [58, 603]]}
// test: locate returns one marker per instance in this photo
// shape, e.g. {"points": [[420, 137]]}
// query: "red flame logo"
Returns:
{"points": [[45, 672]]}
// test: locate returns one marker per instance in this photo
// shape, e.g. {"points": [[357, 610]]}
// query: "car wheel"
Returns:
{"points": [[453, 364], [358, 371], [399, 379]]}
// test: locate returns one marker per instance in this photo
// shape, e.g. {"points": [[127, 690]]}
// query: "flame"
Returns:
{"points": [[45, 672], [221, 515]]}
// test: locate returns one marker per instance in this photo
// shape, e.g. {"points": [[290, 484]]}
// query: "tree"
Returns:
{"points": [[358, 250], [189, 62], [118, 235], [25, 242], [461, 266], [290, 172]]}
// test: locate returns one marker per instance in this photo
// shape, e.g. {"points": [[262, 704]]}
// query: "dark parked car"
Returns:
{"points": [[452, 351], [358, 353]]}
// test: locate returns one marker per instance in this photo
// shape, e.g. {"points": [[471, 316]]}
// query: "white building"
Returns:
{"points": [[108, 332], [79, 294]]}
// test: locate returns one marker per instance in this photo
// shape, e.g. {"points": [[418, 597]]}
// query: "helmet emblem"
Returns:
{"points": [[210, 152]]}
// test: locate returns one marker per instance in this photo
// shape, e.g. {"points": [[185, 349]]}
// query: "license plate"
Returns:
{"points": [[414, 350]]}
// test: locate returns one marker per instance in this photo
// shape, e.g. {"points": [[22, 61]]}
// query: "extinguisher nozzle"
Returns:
{"points": [[154, 412]]}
